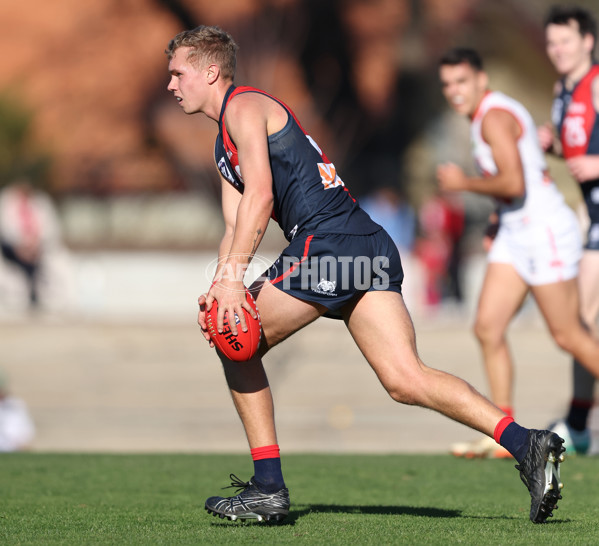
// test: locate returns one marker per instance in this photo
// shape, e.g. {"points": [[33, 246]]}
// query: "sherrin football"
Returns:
{"points": [[244, 345]]}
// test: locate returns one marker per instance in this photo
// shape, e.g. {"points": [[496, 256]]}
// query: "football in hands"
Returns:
{"points": [[240, 347]]}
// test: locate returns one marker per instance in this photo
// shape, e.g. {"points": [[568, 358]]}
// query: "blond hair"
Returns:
{"points": [[208, 45]]}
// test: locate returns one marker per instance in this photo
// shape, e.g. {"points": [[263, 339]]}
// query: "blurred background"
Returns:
{"points": [[119, 197]]}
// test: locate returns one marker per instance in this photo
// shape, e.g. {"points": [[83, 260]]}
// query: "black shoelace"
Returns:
{"points": [[236, 482]]}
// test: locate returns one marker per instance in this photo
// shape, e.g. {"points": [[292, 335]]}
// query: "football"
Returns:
{"points": [[240, 347]]}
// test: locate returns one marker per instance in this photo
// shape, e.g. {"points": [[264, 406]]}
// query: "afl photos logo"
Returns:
{"points": [[249, 272]]}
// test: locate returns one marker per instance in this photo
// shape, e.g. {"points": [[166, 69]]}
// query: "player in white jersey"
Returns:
{"points": [[538, 232], [537, 245]]}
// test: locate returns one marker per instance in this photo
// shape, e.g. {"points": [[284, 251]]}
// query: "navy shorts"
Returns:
{"points": [[333, 269], [592, 238]]}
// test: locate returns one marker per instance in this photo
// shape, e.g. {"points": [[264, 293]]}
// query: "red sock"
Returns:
{"points": [[501, 426], [512, 436], [265, 452], [267, 468]]}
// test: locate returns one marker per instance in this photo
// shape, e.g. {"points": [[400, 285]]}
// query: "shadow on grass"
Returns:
{"points": [[300, 511], [427, 512]]}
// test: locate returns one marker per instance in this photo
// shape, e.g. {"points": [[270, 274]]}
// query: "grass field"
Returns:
{"points": [[336, 499]]}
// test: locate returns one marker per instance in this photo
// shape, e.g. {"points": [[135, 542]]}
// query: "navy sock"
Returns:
{"points": [[268, 475], [515, 440]]}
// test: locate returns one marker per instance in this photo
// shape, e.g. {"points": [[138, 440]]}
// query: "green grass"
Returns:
{"points": [[336, 499]]}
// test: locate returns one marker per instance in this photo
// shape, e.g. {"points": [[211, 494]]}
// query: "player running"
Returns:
{"points": [[271, 167], [571, 33], [537, 246]]}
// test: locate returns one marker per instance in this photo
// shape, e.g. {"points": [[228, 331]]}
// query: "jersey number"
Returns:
{"points": [[575, 134]]}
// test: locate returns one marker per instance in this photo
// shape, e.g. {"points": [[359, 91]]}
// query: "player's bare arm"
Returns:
{"points": [[548, 138], [246, 119], [586, 167], [501, 131], [230, 199]]}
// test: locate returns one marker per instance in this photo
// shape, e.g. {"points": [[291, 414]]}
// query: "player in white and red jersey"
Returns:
{"points": [[571, 35], [537, 246], [540, 199]]}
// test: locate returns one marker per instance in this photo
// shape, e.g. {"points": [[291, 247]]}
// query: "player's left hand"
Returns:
{"points": [[584, 167], [451, 177], [231, 299]]}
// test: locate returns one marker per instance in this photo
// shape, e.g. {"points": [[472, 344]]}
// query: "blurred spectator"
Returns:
{"points": [[16, 427], [441, 221], [388, 208], [29, 238]]}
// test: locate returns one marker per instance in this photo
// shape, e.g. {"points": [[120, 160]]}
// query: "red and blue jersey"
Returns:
{"points": [[309, 195], [577, 123], [575, 117]]}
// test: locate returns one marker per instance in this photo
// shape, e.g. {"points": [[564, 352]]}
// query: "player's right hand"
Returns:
{"points": [[545, 136], [202, 319], [451, 177], [491, 231]]}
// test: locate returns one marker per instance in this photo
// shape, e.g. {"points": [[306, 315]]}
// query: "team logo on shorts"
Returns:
{"points": [[325, 287]]}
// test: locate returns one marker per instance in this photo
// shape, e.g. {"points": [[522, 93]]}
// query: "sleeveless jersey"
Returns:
{"points": [[541, 196], [577, 124], [309, 195]]}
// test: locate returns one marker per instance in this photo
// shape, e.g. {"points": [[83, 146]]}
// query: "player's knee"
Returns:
{"points": [[564, 340], [485, 332], [271, 336], [479, 330]]}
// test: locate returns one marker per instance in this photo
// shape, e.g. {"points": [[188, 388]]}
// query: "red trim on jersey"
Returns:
{"points": [[295, 264], [231, 149], [477, 109], [245, 89]]}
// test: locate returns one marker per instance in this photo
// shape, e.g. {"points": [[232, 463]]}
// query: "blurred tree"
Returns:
{"points": [[19, 157]]}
